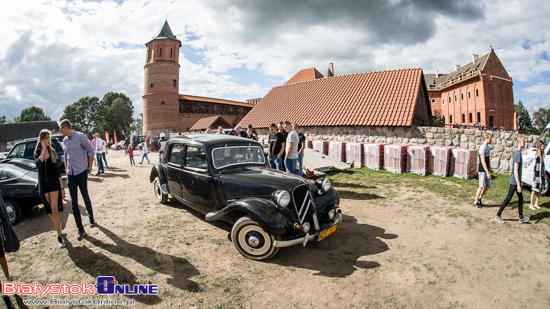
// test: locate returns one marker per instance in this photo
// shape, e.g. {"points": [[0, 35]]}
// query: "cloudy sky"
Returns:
{"points": [[54, 52]]}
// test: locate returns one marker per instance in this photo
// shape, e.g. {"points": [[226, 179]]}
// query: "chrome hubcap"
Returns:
{"points": [[253, 241]]}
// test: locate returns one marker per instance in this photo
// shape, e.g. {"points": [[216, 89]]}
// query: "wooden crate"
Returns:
{"points": [[321, 146], [395, 158], [418, 158], [354, 154], [337, 150], [440, 161], [464, 163], [373, 156]]}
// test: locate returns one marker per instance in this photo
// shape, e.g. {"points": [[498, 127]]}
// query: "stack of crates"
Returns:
{"points": [[418, 158], [395, 158], [309, 143], [337, 150], [440, 161], [463, 163], [321, 146], [373, 156], [354, 154]]}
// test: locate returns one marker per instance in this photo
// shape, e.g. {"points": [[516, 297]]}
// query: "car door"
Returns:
{"points": [[199, 188], [174, 170], [18, 151]]}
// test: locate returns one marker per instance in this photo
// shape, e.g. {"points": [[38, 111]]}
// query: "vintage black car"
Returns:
{"points": [[19, 188], [226, 178]]}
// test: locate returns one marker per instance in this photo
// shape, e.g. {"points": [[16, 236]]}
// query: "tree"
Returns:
{"points": [[523, 118], [115, 112], [541, 118], [82, 114], [136, 127], [33, 113], [3, 119], [437, 120]]}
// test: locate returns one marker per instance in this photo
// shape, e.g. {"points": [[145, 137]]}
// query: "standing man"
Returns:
{"points": [[515, 184], [220, 130], [484, 170], [253, 135], [162, 145], [292, 143], [301, 149], [282, 131], [99, 153], [276, 148], [78, 164]]}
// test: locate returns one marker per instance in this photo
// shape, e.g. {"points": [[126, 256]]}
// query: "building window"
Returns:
{"points": [[450, 100], [173, 83], [463, 118], [491, 121], [151, 85], [456, 98], [162, 102], [443, 101], [471, 120], [469, 94], [160, 53], [421, 93], [450, 118], [478, 117], [462, 96], [171, 53], [477, 92], [433, 101]]}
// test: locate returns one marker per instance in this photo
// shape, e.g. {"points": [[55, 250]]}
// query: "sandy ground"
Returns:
{"points": [[414, 250]]}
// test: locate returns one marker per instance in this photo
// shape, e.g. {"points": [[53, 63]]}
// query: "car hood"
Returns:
{"points": [[257, 181]]}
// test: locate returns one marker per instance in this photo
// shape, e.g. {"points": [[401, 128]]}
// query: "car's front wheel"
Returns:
{"points": [[13, 210], [157, 187], [252, 241]]}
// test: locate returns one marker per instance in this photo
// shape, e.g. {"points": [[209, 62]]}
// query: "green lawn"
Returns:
{"points": [[364, 183]]}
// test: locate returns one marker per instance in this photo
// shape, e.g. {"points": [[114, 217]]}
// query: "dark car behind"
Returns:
{"points": [[136, 141], [25, 150], [155, 143], [19, 189]]}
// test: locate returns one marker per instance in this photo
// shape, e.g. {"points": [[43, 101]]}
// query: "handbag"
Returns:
{"points": [[60, 203]]}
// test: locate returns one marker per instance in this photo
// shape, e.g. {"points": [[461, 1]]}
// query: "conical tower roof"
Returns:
{"points": [[164, 33]]}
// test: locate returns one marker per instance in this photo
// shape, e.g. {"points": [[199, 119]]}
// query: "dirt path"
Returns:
{"points": [[413, 250]]}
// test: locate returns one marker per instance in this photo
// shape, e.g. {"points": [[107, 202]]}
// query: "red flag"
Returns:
{"points": [[116, 141], [106, 137]]}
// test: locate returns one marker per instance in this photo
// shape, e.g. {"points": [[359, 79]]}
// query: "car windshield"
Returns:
{"points": [[545, 137], [8, 172], [237, 155]]}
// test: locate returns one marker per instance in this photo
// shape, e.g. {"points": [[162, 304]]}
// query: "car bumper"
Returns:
{"points": [[307, 238]]}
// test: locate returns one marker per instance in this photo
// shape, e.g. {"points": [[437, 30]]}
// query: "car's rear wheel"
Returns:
{"points": [[546, 190], [13, 210], [252, 241], [118, 147], [157, 187]]}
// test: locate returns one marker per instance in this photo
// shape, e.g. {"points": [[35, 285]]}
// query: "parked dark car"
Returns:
{"points": [[25, 149], [155, 143], [136, 141], [19, 189], [226, 178]]}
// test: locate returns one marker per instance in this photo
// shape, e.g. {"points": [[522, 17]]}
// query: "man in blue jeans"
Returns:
{"points": [[301, 149], [276, 148], [292, 144], [78, 164]]}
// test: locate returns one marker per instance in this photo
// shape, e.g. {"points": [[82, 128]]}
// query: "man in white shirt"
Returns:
{"points": [[99, 151], [292, 144]]}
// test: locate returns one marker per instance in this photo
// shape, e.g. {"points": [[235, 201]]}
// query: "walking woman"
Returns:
{"points": [[50, 185], [539, 177]]}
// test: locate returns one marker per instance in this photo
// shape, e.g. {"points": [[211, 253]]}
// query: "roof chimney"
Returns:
{"points": [[474, 58], [436, 73], [457, 66], [330, 70]]}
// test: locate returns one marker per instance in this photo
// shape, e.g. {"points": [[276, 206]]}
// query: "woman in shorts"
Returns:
{"points": [[50, 185]]}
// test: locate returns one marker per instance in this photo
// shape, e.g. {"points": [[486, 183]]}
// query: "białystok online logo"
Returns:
{"points": [[105, 285]]}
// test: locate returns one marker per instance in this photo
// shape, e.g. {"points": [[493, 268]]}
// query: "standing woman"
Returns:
{"points": [[50, 184], [539, 177]]}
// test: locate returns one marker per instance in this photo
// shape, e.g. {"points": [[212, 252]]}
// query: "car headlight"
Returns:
{"points": [[323, 184], [281, 198], [331, 214], [306, 226]]}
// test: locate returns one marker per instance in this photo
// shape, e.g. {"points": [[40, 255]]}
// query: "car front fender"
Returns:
{"points": [[158, 171], [263, 211]]}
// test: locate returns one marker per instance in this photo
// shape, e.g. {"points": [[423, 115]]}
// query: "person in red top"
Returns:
{"points": [[130, 151]]}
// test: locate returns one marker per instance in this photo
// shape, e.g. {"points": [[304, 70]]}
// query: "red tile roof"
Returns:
{"points": [[383, 98], [305, 75], [212, 100], [206, 122]]}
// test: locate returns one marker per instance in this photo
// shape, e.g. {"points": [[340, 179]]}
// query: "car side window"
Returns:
{"points": [[196, 158], [176, 154], [19, 151], [29, 151]]}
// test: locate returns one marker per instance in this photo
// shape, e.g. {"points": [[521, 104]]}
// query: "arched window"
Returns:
{"points": [[160, 53], [433, 101]]}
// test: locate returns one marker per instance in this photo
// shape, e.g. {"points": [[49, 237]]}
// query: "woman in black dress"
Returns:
{"points": [[50, 184]]}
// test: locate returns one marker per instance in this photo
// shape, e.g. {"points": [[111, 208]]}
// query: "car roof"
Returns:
{"points": [[210, 139]]}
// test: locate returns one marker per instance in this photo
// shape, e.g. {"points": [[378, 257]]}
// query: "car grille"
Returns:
{"points": [[303, 205]]}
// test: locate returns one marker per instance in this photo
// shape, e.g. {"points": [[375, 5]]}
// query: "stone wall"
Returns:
{"points": [[502, 143]]}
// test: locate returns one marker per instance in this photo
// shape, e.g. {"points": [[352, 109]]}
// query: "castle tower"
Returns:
{"points": [[161, 83]]}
